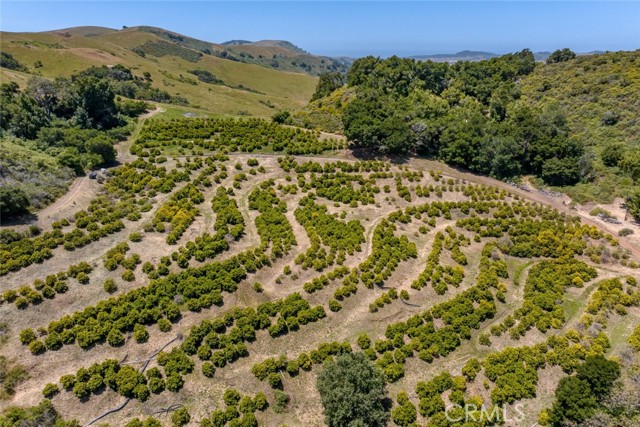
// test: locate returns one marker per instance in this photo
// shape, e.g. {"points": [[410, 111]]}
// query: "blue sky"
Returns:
{"points": [[361, 27]]}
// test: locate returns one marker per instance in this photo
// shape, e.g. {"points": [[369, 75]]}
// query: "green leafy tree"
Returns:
{"points": [[352, 392], [574, 402], [27, 117], [96, 104], [327, 83], [612, 154], [102, 146], [600, 374], [561, 55], [13, 201], [633, 204], [630, 164], [281, 117]]}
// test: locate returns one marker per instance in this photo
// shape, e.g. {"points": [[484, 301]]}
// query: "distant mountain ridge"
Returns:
{"points": [[254, 79], [270, 43], [473, 56], [278, 54], [281, 55]]}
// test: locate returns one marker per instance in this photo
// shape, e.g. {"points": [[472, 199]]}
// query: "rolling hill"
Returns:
{"points": [[256, 79]]}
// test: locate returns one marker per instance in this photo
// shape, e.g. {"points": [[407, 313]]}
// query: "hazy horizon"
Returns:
{"points": [[359, 28]]}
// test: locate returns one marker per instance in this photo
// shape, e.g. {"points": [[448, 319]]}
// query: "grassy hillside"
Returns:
{"points": [[39, 175], [277, 54], [325, 113], [247, 88], [599, 96]]}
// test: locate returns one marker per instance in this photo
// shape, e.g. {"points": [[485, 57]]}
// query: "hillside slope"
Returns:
{"points": [[599, 97], [168, 57], [40, 176]]}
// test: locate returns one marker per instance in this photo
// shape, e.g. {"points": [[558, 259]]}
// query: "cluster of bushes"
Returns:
{"points": [[514, 372], [439, 275], [288, 163], [430, 393], [322, 281], [634, 339], [179, 211], [41, 415], [221, 341], [386, 298], [326, 230], [245, 135], [405, 414], [197, 288], [116, 256], [229, 222], [512, 375], [270, 369], [459, 315], [206, 76], [48, 288], [126, 380], [439, 190], [340, 188], [387, 252], [239, 410], [124, 83], [8, 61], [103, 216], [161, 48], [101, 219], [611, 296], [273, 226], [403, 190], [531, 236], [545, 286], [11, 374]]}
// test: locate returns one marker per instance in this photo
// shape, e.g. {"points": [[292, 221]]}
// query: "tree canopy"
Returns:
{"points": [[467, 114], [13, 201], [352, 392], [561, 55]]}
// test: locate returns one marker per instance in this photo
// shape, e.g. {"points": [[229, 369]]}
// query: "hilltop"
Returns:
{"points": [[280, 43], [253, 79]]}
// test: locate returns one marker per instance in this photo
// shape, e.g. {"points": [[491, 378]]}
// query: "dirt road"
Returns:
{"points": [[124, 148]]}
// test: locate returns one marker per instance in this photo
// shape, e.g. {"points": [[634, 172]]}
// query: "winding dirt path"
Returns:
{"points": [[62, 202], [82, 190], [124, 153]]}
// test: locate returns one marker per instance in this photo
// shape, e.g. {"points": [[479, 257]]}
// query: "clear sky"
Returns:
{"points": [[361, 27]]}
